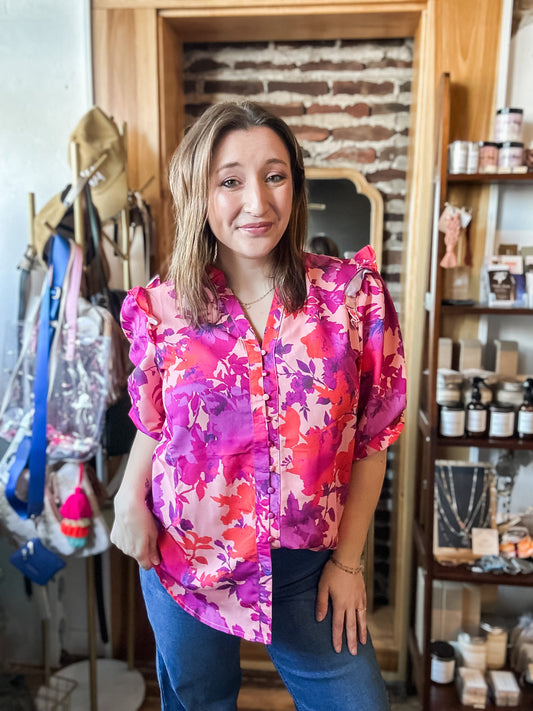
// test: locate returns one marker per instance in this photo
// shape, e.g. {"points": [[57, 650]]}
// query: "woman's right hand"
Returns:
{"points": [[135, 531]]}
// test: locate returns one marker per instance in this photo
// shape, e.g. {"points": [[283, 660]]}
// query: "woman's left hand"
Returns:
{"points": [[347, 593]]}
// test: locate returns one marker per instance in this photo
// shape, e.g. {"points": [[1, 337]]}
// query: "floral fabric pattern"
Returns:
{"points": [[256, 441]]}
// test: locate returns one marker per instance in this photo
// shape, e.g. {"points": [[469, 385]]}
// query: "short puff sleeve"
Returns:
{"points": [[144, 383], [382, 395]]}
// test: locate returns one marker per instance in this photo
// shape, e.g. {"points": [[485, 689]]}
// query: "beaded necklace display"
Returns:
{"points": [[462, 525]]}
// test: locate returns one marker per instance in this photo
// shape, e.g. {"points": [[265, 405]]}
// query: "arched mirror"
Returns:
{"points": [[345, 208]]}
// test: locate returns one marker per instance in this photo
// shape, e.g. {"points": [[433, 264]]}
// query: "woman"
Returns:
{"points": [[268, 384]]}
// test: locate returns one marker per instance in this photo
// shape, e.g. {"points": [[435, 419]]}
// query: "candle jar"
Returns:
{"points": [[473, 651], [458, 157], [510, 155], [496, 645], [452, 420], [488, 157], [502, 420], [442, 662], [509, 124]]}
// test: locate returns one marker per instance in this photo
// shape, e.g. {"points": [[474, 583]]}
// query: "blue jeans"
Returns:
{"points": [[198, 668]]}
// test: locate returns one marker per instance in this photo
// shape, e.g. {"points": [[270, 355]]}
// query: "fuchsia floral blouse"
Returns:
{"points": [[256, 441]]}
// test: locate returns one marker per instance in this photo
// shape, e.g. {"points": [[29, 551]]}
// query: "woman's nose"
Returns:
{"points": [[255, 198]]}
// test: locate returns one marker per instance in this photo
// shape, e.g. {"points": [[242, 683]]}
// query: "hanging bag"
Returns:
{"points": [[67, 353]]}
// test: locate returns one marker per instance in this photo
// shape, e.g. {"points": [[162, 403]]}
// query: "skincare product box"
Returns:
{"points": [[506, 357], [472, 687], [444, 359], [504, 688], [470, 352]]}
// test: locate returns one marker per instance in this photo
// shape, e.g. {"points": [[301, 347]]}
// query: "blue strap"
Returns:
{"points": [[17, 467], [36, 456]]}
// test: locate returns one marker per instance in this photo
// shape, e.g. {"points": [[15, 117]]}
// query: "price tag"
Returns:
{"points": [[485, 541]]}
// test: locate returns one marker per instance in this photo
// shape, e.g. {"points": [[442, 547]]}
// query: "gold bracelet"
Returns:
{"points": [[352, 571]]}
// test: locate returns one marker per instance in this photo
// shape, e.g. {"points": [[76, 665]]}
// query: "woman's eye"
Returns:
{"points": [[230, 183], [276, 178]]}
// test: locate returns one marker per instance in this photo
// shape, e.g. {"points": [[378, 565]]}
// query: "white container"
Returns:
{"points": [[510, 155], [502, 420], [473, 651], [510, 392], [442, 662], [472, 159], [452, 420], [509, 124], [458, 157]]}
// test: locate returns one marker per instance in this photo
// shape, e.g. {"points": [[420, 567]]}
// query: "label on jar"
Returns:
{"points": [[476, 421], [525, 422], [442, 670], [501, 423], [452, 422]]}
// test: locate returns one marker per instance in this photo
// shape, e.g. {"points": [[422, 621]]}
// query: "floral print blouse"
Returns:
{"points": [[256, 441]]}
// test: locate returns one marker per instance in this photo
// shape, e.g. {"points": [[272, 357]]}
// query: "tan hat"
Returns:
{"points": [[97, 134]]}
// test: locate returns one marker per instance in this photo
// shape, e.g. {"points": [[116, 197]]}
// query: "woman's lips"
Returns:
{"points": [[257, 228]]}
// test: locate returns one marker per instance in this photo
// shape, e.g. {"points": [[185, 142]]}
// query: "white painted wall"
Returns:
{"points": [[45, 66], [515, 225]]}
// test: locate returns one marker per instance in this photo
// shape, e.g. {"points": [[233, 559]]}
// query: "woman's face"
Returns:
{"points": [[250, 193]]}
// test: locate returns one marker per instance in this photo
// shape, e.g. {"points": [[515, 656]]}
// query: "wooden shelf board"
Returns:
{"points": [[483, 310], [490, 177], [486, 443], [462, 574]]}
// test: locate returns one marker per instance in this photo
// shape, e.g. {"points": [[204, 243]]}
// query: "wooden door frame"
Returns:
{"points": [[137, 65]]}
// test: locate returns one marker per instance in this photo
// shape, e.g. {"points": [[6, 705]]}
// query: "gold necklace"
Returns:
{"points": [[251, 303]]}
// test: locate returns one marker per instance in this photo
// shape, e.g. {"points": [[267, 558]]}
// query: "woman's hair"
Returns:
{"points": [[194, 243], [322, 244]]}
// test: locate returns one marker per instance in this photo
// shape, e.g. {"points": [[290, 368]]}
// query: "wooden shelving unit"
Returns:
{"points": [[432, 446]]}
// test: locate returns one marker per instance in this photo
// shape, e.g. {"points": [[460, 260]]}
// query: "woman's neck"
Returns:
{"points": [[248, 279]]}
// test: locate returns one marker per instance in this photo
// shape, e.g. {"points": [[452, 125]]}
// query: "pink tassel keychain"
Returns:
{"points": [[77, 513]]}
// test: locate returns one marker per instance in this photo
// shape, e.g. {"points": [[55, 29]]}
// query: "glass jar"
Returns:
{"points": [[511, 155], [458, 157], [488, 157], [449, 386], [510, 392], [473, 651], [496, 645], [442, 662], [509, 124], [502, 420], [452, 420]]}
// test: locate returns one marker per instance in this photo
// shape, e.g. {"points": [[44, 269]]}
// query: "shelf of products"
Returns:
{"points": [[440, 467]]}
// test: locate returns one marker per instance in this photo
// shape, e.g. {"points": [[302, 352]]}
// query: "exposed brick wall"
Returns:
{"points": [[347, 102]]}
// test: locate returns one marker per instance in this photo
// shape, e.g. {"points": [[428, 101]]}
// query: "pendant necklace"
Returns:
{"points": [[256, 301]]}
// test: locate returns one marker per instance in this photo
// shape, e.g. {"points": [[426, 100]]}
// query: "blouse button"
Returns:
{"points": [[271, 515], [264, 373], [263, 352], [271, 490], [266, 396]]}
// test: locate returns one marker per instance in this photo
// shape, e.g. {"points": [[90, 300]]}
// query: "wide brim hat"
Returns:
{"points": [[97, 135]]}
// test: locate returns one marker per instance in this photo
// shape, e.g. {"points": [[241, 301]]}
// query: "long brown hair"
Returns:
{"points": [[194, 243]]}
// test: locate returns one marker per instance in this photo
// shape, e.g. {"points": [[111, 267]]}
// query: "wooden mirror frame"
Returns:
{"points": [[363, 188]]}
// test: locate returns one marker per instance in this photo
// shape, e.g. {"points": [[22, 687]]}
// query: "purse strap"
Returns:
{"points": [[32, 450]]}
